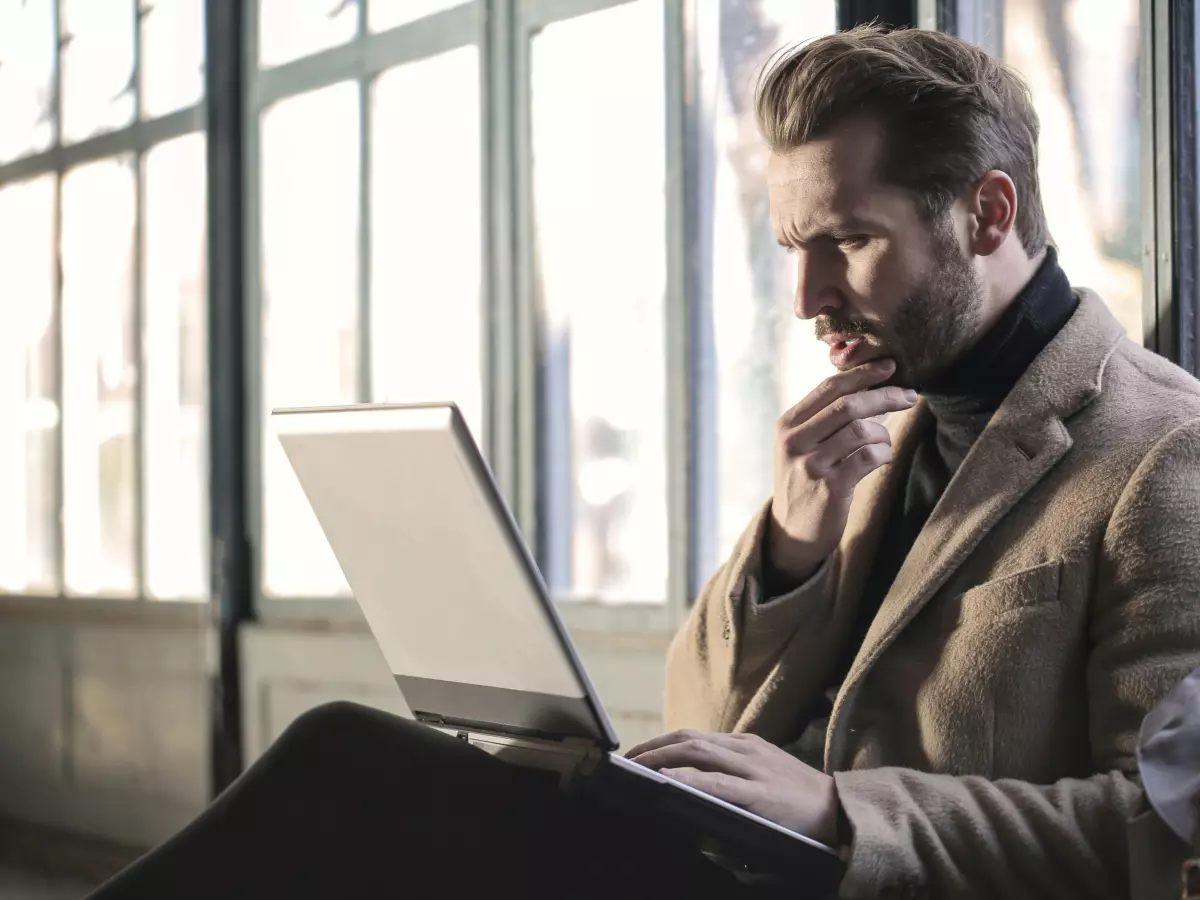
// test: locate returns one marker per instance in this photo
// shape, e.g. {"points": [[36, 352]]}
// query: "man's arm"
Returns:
{"points": [[734, 636], [824, 446], [969, 836]]}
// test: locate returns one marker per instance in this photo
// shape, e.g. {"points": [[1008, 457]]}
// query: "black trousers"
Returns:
{"points": [[351, 802]]}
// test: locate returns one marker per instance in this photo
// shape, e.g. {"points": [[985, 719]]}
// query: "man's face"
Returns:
{"points": [[879, 279]]}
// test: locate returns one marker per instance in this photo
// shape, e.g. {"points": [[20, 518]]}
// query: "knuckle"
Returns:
{"points": [[811, 466], [696, 745], [828, 385], [860, 429], [840, 406]]}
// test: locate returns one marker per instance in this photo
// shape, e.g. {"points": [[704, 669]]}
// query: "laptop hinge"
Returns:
{"points": [[471, 726]]}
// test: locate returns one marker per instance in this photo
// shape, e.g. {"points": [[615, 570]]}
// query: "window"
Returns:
{"points": [[426, 252], [369, 253], [100, 378], [96, 59], [599, 159], [764, 359], [290, 29], [172, 71], [390, 13], [1082, 69], [103, 388], [310, 309], [29, 411], [174, 427], [26, 77]]}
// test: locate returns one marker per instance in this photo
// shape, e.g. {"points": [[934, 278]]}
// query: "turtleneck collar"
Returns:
{"points": [[983, 377], [964, 397]]}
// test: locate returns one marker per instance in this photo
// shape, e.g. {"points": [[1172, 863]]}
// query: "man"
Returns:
{"points": [[954, 621], [963, 614]]}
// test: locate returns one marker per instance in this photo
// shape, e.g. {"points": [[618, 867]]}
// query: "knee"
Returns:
{"points": [[337, 720]]}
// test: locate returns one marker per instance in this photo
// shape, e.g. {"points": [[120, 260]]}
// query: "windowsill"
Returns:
{"points": [[106, 610]]}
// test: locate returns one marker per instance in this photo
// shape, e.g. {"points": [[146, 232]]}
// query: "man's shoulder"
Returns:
{"points": [[1143, 395]]}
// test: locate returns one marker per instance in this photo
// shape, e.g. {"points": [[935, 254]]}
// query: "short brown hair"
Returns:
{"points": [[950, 112]]}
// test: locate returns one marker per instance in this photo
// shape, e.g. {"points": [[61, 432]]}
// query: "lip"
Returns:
{"points": [[848, 350]]}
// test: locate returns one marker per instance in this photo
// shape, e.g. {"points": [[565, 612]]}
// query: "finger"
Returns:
{"points": [[729, 788], [698, 754], [738, 743], [838, 385], [663, 740], [844, 442], [844, 410], [845, 476]]}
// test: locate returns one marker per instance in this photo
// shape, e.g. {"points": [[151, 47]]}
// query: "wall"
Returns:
{"points": [[104, 724], [287, 670]]}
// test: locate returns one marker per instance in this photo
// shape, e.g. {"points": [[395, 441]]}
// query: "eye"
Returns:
{"points": [[853, 241]]}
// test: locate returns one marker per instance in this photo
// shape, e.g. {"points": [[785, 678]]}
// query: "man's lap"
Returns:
{"points": [[351, 801]]}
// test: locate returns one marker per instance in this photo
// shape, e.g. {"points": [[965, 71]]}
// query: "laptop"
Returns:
{"points": [[468, 629]]}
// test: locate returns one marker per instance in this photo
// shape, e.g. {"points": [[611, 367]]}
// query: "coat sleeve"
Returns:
{"points": [[733, 639], [946, 836]]}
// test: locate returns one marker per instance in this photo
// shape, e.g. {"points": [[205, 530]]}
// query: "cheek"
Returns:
{"points": [[879, 278]]}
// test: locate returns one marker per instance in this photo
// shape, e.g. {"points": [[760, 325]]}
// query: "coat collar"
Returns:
{"points": [[1024, 440]]}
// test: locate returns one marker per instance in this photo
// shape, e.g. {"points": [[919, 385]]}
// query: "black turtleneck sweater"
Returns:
{"points": [[962, 401]]}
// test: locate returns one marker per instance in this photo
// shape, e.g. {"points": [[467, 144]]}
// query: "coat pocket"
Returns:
{"points": [[1021, 590], [1014, 647]]}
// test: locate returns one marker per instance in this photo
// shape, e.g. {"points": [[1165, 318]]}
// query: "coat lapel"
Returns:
{"points": [[1024, 440]]}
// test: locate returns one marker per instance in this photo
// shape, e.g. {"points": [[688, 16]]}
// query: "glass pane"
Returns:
{"points": [[764, 358], [26, 77], [28, 404], [426, 212], [289, 29], [175, 426], [99, 378], [599, 206], [97, 66], [1083, 71], [310, 310], [390, 13], [172, 72]]}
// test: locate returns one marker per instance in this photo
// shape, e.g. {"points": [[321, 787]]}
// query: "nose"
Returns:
{"points": [[816, 287]]}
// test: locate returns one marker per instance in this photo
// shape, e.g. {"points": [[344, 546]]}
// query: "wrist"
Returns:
{"points": [[784, 559], [834, 829]]}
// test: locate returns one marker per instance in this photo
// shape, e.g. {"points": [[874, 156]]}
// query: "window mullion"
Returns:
{"points": [[139, 321], [365, 387], [499, 264], [681, 543]]}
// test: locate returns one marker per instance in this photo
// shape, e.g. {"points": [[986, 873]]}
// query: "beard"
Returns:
{"points": [[933, 326]]}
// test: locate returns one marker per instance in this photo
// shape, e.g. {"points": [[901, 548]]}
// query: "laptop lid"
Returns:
{"points": [[440, 571]]}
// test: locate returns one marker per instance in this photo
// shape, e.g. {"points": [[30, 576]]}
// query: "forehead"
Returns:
{"points": [[834, 179]]}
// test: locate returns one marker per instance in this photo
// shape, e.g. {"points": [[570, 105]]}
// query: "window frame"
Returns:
{"points": [[360, 60], [135, 140], [511, 325]]}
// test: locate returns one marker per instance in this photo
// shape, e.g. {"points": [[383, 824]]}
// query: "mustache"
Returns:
{"points": [[827, 324]]}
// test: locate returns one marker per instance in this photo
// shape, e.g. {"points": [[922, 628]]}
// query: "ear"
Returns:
{"points": [[993, 213]]}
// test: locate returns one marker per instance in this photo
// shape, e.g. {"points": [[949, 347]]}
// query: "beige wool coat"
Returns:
{"points": [[983, 743]]}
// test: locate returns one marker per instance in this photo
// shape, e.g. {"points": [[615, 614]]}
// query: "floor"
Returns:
{"points": [[23, 886]]}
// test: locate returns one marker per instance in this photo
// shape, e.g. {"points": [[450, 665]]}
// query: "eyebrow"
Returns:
{"points": [[840, 229]]}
